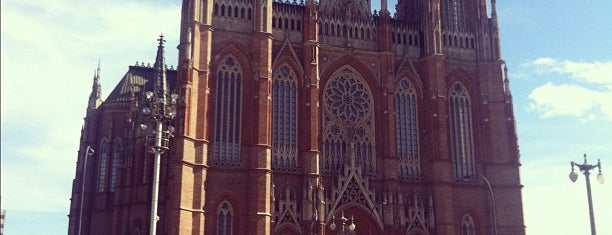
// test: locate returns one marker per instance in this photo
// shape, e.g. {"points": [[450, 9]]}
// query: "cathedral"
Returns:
{"points": [[308, 117]]}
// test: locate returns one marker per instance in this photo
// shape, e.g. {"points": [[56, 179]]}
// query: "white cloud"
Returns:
{"points": [[567, 100], [544, 61], [595, 72], [585, 94]]}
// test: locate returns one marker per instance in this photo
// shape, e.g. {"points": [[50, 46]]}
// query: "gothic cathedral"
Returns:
{"points": [[310, 118]]}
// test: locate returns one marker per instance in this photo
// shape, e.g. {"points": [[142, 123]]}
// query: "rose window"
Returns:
{"points": [[347, 99]]}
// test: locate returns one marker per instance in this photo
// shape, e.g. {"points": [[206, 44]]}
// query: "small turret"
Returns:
{"points": [[383, 6], [493, 10], [495, 31], [506, 82], [96, 91]]}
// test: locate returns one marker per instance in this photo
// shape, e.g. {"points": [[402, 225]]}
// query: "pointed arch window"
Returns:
{"points": [[467, 226], [116, 162], [284, 118], [453, 14], [462, 149], [406, 130], [145, 169], [348, 123], [102, 166], [224, 218], [228, 100]]}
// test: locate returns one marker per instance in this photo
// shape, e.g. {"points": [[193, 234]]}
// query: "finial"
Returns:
{"points": [[493, 9], [161, 39]]}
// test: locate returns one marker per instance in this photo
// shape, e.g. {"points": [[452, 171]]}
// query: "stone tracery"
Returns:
{"points": [[348, 122]]}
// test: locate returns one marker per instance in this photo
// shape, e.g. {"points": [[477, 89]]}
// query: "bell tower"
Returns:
{"points": [[190, 167], [211, 47]]}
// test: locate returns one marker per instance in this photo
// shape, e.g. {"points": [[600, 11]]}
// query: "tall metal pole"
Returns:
{"points": [[162, 108], [155, 194], [586, 170], [88, 151], [591, 215], [492, 202]]}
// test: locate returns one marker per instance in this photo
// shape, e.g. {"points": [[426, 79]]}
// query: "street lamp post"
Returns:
{"points": [[346, 228], [160, 108], [88, 152], [586, 170], [492, 198]]}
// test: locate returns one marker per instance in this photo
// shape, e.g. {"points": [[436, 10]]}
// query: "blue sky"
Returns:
{"points": [[559, 55]]}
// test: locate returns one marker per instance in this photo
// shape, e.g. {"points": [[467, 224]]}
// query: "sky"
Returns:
{"points": [[559, 55]]}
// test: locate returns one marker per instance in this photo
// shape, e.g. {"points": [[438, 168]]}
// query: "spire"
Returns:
{"points": [[493, 10], [96, 90], [160, 68], [495, 32], [383, 6]]}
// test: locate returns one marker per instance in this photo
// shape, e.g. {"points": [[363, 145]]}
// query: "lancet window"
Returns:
{"points": [[224, 218], [102, 166], [145, 170], [453, 14], [467, 226], [228, 100], [284, 118], [406, 130], [117, 157], [348, 122], [462, 149]]}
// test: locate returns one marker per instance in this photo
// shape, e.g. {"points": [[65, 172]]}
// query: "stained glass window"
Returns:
{"points": [[284, 118], [406, 130], [228, 99], [102, 168], [348, 121], [224, 218], [467, 226], [117, 155], [145, 169], [460, 117], [453, 14]]}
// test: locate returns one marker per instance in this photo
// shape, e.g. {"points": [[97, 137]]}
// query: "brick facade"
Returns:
{"points": [[427, 44]]}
